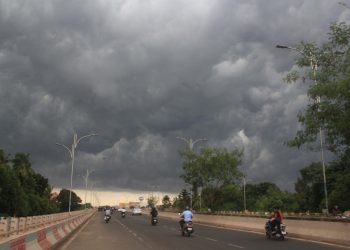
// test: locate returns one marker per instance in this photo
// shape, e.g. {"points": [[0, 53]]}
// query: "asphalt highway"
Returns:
{"points": [[136, 232]]}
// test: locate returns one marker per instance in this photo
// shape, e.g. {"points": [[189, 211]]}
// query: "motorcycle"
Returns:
{"points": [[123, 214], [107, 218], [187, 229], [275, 233], [154, 221]]}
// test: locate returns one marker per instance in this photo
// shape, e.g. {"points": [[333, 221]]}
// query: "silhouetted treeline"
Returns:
{"points": [[26, 193]]}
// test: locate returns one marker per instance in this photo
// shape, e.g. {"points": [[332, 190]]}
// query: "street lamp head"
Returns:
{"points": [[282, 47]]}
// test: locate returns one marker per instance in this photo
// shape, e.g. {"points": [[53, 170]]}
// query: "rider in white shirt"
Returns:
{"points": [[186, 216], [108, 212]]}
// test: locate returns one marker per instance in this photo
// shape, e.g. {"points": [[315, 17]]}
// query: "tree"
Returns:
{"points": [[266, 195], [211, 197], [225, 197], [338, 175], [63, 201], [182, 200], [329, 98], [309, 188], [36, 190], [12, 198], [22, 191], [166, 201], [152, 200], [329, 106], [42, 187], [23, 170], [211, 168]]}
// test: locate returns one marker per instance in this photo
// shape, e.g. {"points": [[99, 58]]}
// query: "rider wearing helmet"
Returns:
{"points": [[108, 211], [186, 216], [154, 212]]}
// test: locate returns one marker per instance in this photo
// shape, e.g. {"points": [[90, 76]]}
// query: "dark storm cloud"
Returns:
{"points": [[141, 73]]}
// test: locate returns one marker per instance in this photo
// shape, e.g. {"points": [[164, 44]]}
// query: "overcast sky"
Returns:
{"points": [[142, 72]]}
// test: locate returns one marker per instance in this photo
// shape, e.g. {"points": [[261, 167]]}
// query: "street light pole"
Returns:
{"points": [[314, 66], [72, 153], [91, 193], [244, 196], [86, 178], [189, 192], [191, 198], [190, 142], [200, 201]]}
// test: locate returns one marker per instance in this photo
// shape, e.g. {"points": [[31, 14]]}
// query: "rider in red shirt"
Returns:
{"points": [[277, 219]]}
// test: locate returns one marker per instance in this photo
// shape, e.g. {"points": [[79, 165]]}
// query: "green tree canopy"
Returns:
{"points": [[328, 109], [216, 171], [309, 188], [22, 191], [330, 97], [212, 167], [182, 200], [63, 201], [166, 203], [152, 200], [12, 197]]}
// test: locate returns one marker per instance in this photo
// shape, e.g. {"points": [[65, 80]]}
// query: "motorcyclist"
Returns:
{"points": [[122, 211], [108, 212], [277, 219], [186, 216], [154, 212]]}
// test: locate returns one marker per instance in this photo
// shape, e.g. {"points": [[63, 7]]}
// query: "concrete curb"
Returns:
{"points": [[46, 238]]}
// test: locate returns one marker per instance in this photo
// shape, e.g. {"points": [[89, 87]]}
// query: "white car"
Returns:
{"points": [[136, 211]]}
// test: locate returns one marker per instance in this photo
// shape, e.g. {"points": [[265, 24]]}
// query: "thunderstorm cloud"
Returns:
{"points": [[141, 73]]}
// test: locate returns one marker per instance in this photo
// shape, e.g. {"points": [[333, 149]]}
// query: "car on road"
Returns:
{"points": [[136, 211]]}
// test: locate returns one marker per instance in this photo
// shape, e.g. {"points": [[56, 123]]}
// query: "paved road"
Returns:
{"points": [[136, 232]]}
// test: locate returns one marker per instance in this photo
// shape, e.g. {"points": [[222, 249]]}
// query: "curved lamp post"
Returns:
{"points": [[71, 152], [86, 179], [314, 66], [190, 142]]}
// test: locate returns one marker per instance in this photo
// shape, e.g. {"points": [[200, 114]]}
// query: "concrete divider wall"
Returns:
{"points": [[326, 231], [11, 226], [47, 237]]}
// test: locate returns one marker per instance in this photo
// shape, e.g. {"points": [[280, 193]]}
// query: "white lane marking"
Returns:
{"points": [[237, 246], [230, 244], [207, 238], [319, 242], [260, 233], [130, 231]]}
